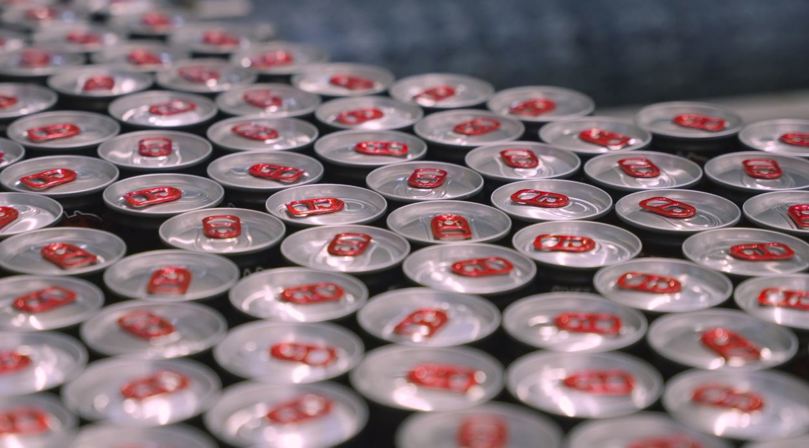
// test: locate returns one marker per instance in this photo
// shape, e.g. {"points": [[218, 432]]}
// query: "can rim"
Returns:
{"points": [[546, 131], [750, 128], [114, 108], [588, 170], [320, 56], [397, 89], [772, 198], [418, 127], [778, 319], [527, 183], [784, 160], [220, 100], [415, 144], [144, 81], [309, 129], [9, 177], [290, 192], [449, 203], [51, 98], [547, 119], [45, 202], [633, 197]]}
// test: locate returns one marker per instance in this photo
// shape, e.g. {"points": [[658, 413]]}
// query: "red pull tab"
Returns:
{"points": [[309, 354], [313, 293], [300, 410], [198, 74], [155, 146], [35, 58], [278, 173], [482, 267], [673, 441], [23, 422], [169, 280], [13, 361], [448, 377], [359, 116], [152, 196], [670, 208], [563, 243], [44, 300], [255, 131], [532, 107], [450, 227], [799, 214], [222, 227], [772, 251], [381, 148], [49, 178], [427, 178], [601, 382], [56, 131], [607, 139], [730, 345], [795, 139], [7, 101], [68, 256], [156, 20], [435, 94], [477, 126], [701, 122], [162, 382], [145, 325], [219, 38], [263, 99], [349, 244], [537, 198], [604, 324], [272, 58], [41, 13], [651, 283], [172, 107], [83, 37], [721, 396], [142, 56], [639, 167], [762, 168], [482, 431], [8, 215], [424, 322], [351, 82], [795, 299], [315, 206], [519, 158]]}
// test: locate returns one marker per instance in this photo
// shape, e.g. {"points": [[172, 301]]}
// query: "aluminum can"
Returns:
{"points": [[787, 137], [522, 160], [781, 299], [212, 39], [33, 17], [752, 172], [60, 177], [35, 63], [270, 100], [62, 131], [140, 56], [10, 41], [160, 109], [326, 204], [342, 79], [203, 76], [551, 200], [642, 430], [162, 195], [10, 153], [174, 435], [39, 303], [107, 10], [255, 133], [94, 87], [77, 38], [793, 442], [642, 170], [453, 133], [687, 126], [438, 91], [35, 362], [676, 212], [155, 151], [278, 59], [784, 211], [446, 222], [35, 421], [24, 212], [369, 113], [537, 105], [18, 100], [591, 136], [424, 181], [157, 23]]}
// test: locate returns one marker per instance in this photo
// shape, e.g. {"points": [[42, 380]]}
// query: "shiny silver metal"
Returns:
{"points": [[79, 37], [551, 200], [369, 149], [781, 299], [643, 429], [661, 120], [213, 38], [278, 58], [195, 193], [10, 41], [32, 16], [155, 23], [35, 63], [90, 82], [784, 136], [447, 222], [306, 205], [144, 150], [161, 109], [35, 362], [57, 431], [782, 172], [676, 212], [342, 79], [255, 133], [268, 100], [369, 113], [642, 170], [33, 212], [140, 55], [444, 181], [274, 170], [522, 160], [86, 130], [792, 442], [608, 135], [203, 76], [783, 211], [109, 434], [10, 152], [40, 303], [90, 175], [26, 99], [540, 104], [460, 129], [442, 90]]}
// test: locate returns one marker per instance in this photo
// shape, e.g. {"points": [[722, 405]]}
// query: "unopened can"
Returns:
{"points": [[342, 79], [784, 211], [160, 109], [94, 87], [34, 64], [173, 435], [156, 23], [788, 137], [370, 113], [10, 153], [77, 38], [522, 160], [141, 56], [62, 131], [642, 170], [551, 200], [38, 421], [442, 91], [35, 362], [537, 105], [155, 151], [18, 100], [11, 41], [212, 39], [203, 76], [33, 16], [743, 174], [38, 303], [792, 442], [453, 133], [278, 59], [326, 204], [444, 222], [256, 133], [274, 100], [782, 299], [687, 127], [24, 212], [162, 195], [642, 430], [424, 181], [591, 136]]}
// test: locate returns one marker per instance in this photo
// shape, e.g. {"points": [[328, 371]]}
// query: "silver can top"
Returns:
{"points": [[423, 317], [162, 109], [788, 137], [37, 62], [24, 212], [162, 195], [680, 212], [576, 244], [268, 101], [298, 295], [483, 269], [551, 200], [584, 385], [140, 393], [688, 120], [326, 204], [781, 299], [11, 40], [754, 172], [265, 171], [100, 82], [589, 136], [784, 211], [371, 113], [10, 152], [206, 76], [747, 251], [156, 22], [61, 251], [342, 79], [77, 38], [663, 285], [642, 170], [792, 442], [109, 434], [278, 58], [59, 176], [62, 130], [17, 100], [34, 362], [369, 149], [33, 16], [445, 222], [351, 249], [165, 276], [155, 150], [140, 56], [540, 104], [424, 181], [256, 133], [213, 38], [37, 303], [35, 421], [468, 128], [442, 90], [573, 322], [153, 330], [522, 160], [644, 429]]}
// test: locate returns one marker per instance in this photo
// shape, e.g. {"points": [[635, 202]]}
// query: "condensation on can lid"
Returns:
{"points": [[680, 212], [203, 76], [32, 212], [212, 38], [34, 362], [522, 160], [278, 58], [467, 128], [106, 434], [756, 172], [173, 150], [268, 101], [784, 211], [77, 38], [589, 136], [442, 90], [93, 81], [326, 204], [642, 170], [640, 430], [369, 149], [787, 137], [370, 113], [195, 193], [540, 104], [447, 222], [140, 55], [38, 303], [424, 181], [162, 109], [60, 422], [264, 171], [688, 120], [27, 99], [342, 79], [37, 62], [551, 200], [256, 133], [62, 130], [781, 299], [46, 176]]}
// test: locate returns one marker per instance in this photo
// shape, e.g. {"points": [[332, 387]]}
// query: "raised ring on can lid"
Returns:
{"points": [[424, 181], [689, 120], [750, 404], [59, 176], [442, 90], [644, 429], [342, 79], [756, 172], [212, 38], [140, 393], [642, 170], [662, 285], [424, 317], [40, 419], [99, 82], [37, 62], [107, 434], [278, 58], [165, 276], [148, 330], [30, 212], [139, 56], [540, 104], [162, 195], [38, 303], [551, 200], [352, 249], [298, 295], [369, 149], [469, 268], [205, 76], [34, 362], [784, 211], [155, 150], [20, 99], [62, 130], [589, 136], [32, 16], [162, 109], [326, 204], [788, 137], [272, 100], [61, 251], [747, 251], [371, 113], [256, 133], [522, 160], [781, 299], [584, 385], [264, 171], [77, 38], [444, 222], [676, 211], [467, 128]]}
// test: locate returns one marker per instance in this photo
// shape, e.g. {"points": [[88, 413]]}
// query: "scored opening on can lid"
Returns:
{"points": [[278, 58], [442, 90], [59, 176], [788, 137], [162, 109], [779, 298], [551, 200], [540, 104], [784, 211], [268, 100], [445, 222], [467, 128], [424, 181], [254, 133], [676, 211], [755, 172], [588, 136], [372, 113], [62, 130], [326, 204], [25, 212], [342, 79], [162, 195], [689, 120], [522, 160], [642, 170]]}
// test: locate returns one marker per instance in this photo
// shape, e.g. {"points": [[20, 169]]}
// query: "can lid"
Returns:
{"points": [[138, 393], [153, 330], [140, 55], [522, 160], [326, 204], [352, 249], [76, 37], [10, 152], [69, 251], [203, 75], [298, 295], [676, 211], [264, 171], [37, 62], [540, 104], [106, 434], [223, 231], [162, 109], [781, 299], [162, 195], [662, 285], [689, 120], [31, 212], [59, 176], [268, 101], [754, 172], [36, 303], [639, 430], [784, 211], [342, 79], [491, 424], [424, 181], [51, 425], [642, 170], [467, 128], [313, 415], [427, 379], [788, 137], [551, 200], [212, 38], [445, 222], [22, 99], [10, 41], [155, 150], [256, 133], [94, 81], [749, 404], [62, 130], [156, 22], [279, 58], [747, 251], [372, 113], [289, 353], [442, 90], [33, 16], [792, 442], [165, 276], [369, 149], [590, 136], [483, 269], [34, 362], [424, 317]]}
